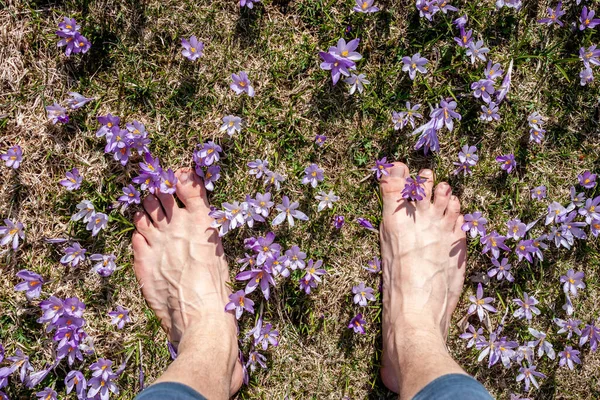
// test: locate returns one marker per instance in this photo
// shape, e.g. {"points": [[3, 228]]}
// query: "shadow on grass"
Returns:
{"points": [[248, 26]]}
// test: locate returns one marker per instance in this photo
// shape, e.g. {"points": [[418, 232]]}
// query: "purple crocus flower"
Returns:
{"points": [[539, 245], [545, 347], [587, 179], [20, 362], [320, 140], [313, 272], [102, 380], [53, 309], [570, 326], [493, 242], [47, 394], [31, 285], [484, 89], [476, 50], [595, 227], [345, 50], [273, 179], [373, 266], [365, 223], [414, 64], [589, 56], [13, 157], [256, 278], [256, 358], [553, 15], [73, 180], [516, 229], [381, 167], [465, 38], [241, 84], [490, 347], [11, 232], [130, 195], [258, 167], [262, 204], [507, 162], [489, 112], [69, 25], [528, 375], [357, 324], [555, 212], [501, 270], [192, 48], [74, 254], [338, 221], [362, 293], [250, 5], [105, 264], [505, 87], [526, 307], [168, 181], [357, 82], [461, 21], [312, 175], [473, 336], [76, 380], [231, 125], [289, 211], [209, 153], [525, 250], [494, 71], [586, 76], [57, 113], [538, 192], [536, 135], [365, 6], [591, 209], [474, 224], [326, 200], [119, 317], [74, 42], [403, 118], [85, 211], [572, 281], [591, 332], [414, 189], [427, 8], [97, 223], [295, 258], [77, 100], [337, 66], [480, 304], [107, 122], [268, 336], [569, 356], [239, 303], [586, 20], [446, 113], [577, 199]]}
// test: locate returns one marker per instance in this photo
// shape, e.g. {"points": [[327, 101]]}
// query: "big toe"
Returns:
{"points": [[392, 184], [191, 191]]}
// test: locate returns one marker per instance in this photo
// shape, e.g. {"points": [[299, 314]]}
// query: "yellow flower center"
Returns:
{"points": [[345, 53], [13, 231], [193, 49], [365, 5]]}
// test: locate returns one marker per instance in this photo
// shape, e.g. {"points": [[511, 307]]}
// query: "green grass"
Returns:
{"points": [[135, 70]]}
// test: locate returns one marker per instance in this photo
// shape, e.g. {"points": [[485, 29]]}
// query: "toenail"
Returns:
{"points": [[397, 172], [426, 173], [184, 177]]}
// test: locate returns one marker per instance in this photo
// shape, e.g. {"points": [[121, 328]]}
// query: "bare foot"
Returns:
{"points": [[423, 251], [181, 268]]}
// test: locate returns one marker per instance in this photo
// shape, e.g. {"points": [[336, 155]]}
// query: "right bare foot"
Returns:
{"points": [[181, 268], [423, 253]]}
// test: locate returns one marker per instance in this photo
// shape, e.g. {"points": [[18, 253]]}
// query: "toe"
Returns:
{"points": [[168, 204], [452, 212], [426, 202], [441, 199], [143, 225], [191, 191], [393, 183], [155, 211]]}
